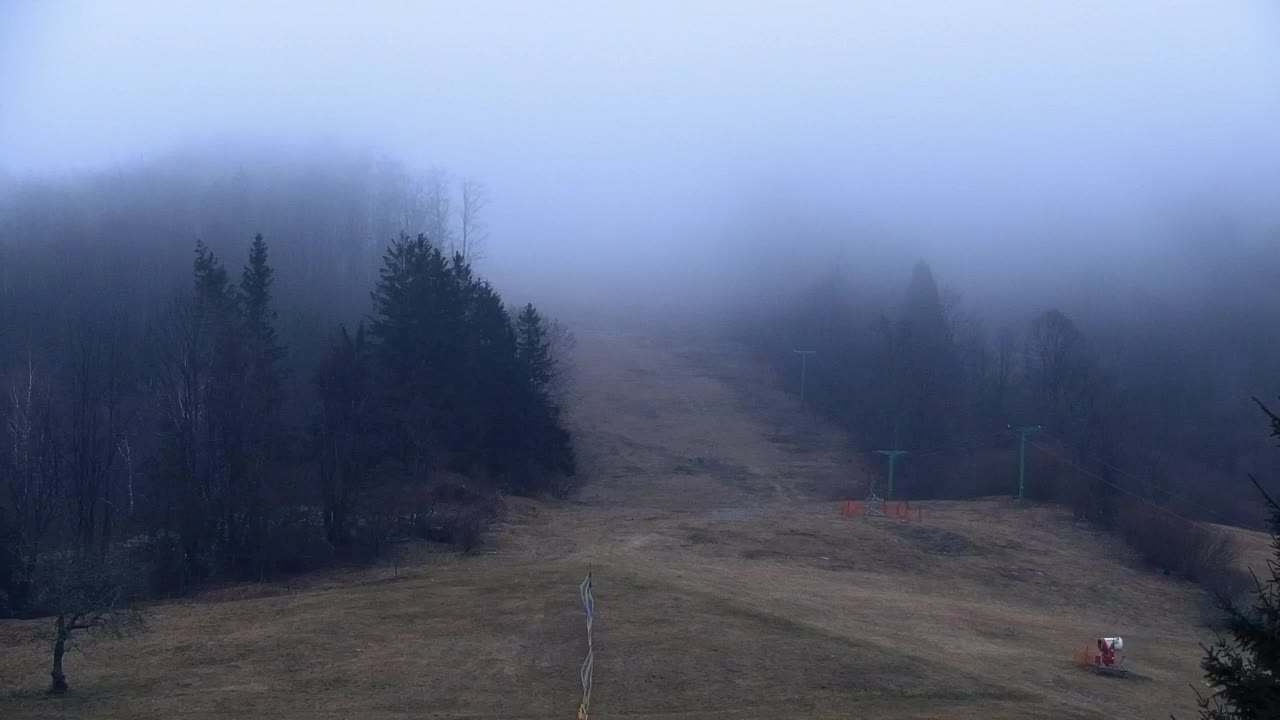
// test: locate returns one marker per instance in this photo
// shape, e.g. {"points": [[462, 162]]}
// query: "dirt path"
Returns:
{"points": [[688, 425]]}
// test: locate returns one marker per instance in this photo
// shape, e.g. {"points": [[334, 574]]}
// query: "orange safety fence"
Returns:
{"points": [[900, 509], [1084, 655]]}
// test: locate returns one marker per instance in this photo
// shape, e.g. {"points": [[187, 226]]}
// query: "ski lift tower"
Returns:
{"points": [[893, 458], [804, 363]]}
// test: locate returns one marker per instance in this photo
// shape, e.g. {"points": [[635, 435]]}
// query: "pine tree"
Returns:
{"points": [[220, 476], [211, 283], [548, 446], [255, 290], [1244, 671], [925, 369], [264, 354], [490, 379], [533, 349], [410, 335], [229, 358], [922, 315], [258, 360], [458, 384]]}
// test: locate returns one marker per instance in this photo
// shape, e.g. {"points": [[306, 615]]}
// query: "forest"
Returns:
{"points": [[1148, 401], [213, 373]]}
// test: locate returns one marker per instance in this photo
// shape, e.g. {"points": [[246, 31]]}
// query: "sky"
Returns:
{"points": [[620, 134]]}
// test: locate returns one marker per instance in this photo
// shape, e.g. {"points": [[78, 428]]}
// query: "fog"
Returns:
{"points": [[284, 285], [997, 139]]}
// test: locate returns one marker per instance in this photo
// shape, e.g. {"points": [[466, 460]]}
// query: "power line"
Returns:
{"points": [[1104, 481], [974, 444], [1217, 514], [979, 443]]}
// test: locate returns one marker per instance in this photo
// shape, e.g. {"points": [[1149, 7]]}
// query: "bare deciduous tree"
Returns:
{"points": [[96, 411], [562, 343], [34, 460], [474, 200], [85, 595], [438, 201]]}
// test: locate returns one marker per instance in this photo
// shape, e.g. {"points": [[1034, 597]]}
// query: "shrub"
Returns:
{"points": [[1231, 587], [1176, 545], [167, 567], [458, 513], [562, 486], [295, 543], [374, 535]]}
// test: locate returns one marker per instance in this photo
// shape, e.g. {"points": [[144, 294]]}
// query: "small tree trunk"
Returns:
{"points": [[59, 684]]}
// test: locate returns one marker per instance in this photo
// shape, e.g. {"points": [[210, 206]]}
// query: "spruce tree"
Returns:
{"points": [[1244, 671], [533, 349], [925, 370], [220, 478], [457, 383], [259, 361], [264, 355], [255, 291], [408, 335], [210, 277], [548, 445], [490, 381]]}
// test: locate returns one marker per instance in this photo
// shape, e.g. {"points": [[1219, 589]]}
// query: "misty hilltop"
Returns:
{"points": [[852, 348]]}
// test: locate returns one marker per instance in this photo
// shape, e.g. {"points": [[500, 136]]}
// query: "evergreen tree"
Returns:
{"points": [[925, 369], [415, 329], [1244, 671], [339, 433], [834, 371], [255, 300], [458, 384], [547, 445], [211, 284], [882, 410], [263, 354], [490, 380], [533, 349], [213, 364], [224, 366], [258, 361], [175, 452], [922, 315]]}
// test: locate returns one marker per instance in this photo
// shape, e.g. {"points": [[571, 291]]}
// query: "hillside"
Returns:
{"points": [[727, 586]]}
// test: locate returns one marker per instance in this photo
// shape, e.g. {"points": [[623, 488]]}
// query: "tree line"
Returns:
{"points": [[154, 441], [1128, 409]]}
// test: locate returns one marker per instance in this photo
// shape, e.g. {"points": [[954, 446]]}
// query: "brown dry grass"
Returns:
{"points": [[723, 589]]}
